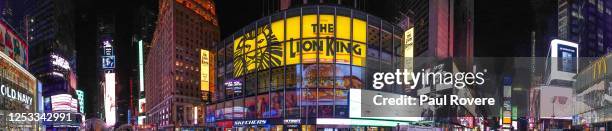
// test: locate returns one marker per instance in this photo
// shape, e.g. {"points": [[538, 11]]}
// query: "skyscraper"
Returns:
{"points": [[52, 56], [172, 74], [587, 23]]}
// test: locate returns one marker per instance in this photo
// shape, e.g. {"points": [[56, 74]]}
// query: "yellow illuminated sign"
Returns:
{"points": [[408, 49], [268, 46], [600, 68], [204, 70], [409, 42]]}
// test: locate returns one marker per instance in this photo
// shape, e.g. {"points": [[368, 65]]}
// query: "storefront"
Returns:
{"points": [[294, 69], [319, 124], [593, 96], [18, 94]]}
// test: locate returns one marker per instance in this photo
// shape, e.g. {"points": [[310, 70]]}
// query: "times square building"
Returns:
{"points": [[19, 89], [296, 69]]}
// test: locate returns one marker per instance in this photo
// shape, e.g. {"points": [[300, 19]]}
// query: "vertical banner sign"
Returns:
{"points": [[507, 108], [81, 98], [204, 70], [140, 67], [109, 98], [408, 49]]}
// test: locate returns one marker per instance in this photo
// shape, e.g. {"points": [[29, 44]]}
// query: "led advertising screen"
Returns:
{"points": [[567, 57], [109, 98], [141, 105], [564, 60], [61, 102], [12, 45], [108, 62], [204, 70], [60, 62], [265, 46], [81, 98]]}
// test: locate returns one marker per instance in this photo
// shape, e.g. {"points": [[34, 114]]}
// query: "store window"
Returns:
{"points": [[357, 77], [343, 76], [341, 103], [276, 104], [228, 110], [309, 76], [278, 76], [250, 104], [251, 84], [239, 110], [326, 75], [219, 111], [325, 103], [308, 102], [291, 77], [263, 102], [292, 109], [263, 81], [210, 113]]}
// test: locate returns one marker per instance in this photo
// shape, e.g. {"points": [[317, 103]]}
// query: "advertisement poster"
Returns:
{"points": [[250, 104], [291, 104], [263, 102], [276, 110]]}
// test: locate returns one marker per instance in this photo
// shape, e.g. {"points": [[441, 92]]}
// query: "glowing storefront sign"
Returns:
{"points": [[600, 68], [109, 98], [325, 39], [250, 122], [13, 94], [204, 70]]}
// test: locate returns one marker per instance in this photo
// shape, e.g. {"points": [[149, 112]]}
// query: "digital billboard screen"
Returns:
{"points": [[109, 98], [327, 40], [566, 58]]}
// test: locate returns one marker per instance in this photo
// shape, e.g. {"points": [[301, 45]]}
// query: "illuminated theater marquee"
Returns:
{"points": [[268, 47]]}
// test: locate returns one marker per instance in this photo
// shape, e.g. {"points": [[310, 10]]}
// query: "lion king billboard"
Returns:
{"points": [[277, 44]]}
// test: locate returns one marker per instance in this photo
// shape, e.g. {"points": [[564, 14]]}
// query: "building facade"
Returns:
{"points": [[174, 96], [19, 90], [586, 22], [52, 55], [592, 93], [295, 69]]}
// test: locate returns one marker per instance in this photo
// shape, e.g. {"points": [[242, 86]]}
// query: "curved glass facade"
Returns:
{"points": [[300, 63]]}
